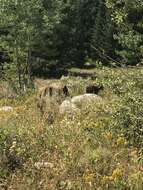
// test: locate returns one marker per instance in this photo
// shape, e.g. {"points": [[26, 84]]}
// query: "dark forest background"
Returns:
{"points": [[43, 38]]}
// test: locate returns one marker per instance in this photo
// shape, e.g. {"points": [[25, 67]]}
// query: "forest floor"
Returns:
{"points": [[97, 150]]}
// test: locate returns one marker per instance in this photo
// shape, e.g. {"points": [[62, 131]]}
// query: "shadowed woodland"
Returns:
{"points": [[45, 38]]}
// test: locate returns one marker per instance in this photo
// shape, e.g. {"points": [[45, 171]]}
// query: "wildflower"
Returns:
{"points": [[43, 164], [108, 136], [106, 179], [117, 173], [121, 141], [133, 153], [14, 143], [89, 176]]}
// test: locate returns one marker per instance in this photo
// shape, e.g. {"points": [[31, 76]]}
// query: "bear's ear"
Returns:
{"points": [[102, 87], [40, 95], [65, 91], [50, 91], [44, 92]]}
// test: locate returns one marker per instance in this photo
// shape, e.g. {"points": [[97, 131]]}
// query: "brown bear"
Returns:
{"points": [[94, 89], [50, 97]]}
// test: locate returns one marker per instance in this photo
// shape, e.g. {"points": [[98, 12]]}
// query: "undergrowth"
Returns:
{"points": [[99, 149]]}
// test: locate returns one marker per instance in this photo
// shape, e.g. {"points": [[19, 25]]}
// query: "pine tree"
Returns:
{"points": [[26, 22], [102, 36], [75, 31]]}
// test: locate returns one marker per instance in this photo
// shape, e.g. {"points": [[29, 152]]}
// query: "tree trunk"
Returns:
{"points": [[18, 65], [1, 70], [29, 66]]}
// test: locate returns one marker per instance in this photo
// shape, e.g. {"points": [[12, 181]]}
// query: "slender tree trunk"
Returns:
{"points": [[1, 70], [29, 66], [29, 61], [18, 65]]}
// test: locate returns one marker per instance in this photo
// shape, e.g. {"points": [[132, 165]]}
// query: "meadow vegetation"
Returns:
{"points": [[96, 43], [99, 149]]}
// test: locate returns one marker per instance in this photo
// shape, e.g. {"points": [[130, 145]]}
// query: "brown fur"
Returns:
{"points": [[94, 89], [57, 92], [50, 97]]}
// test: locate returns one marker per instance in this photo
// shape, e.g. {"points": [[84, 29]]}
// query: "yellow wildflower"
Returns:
{"points": [[117, 173], [121, 141], [106, 179], [108, 136], [88, 176]]}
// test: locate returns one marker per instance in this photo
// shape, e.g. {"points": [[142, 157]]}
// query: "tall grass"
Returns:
{"points": [[99, 149]]}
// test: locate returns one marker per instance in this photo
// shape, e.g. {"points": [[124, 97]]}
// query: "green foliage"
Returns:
{"points": [[128, 17], [42, 37], [23, 21], [102, 37]]}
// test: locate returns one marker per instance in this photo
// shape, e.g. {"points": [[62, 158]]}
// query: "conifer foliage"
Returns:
{"points": [[42, 37]]}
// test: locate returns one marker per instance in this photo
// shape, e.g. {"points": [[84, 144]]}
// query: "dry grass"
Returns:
{"points": [[89, 152]]}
